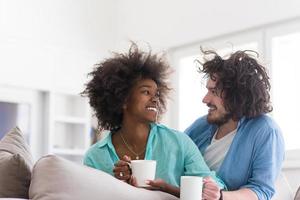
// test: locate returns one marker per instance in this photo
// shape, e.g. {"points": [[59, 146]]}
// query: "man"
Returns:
{"points": [[238, 140]]}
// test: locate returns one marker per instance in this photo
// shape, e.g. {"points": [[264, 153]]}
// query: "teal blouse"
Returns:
{"points": [[175, 153]]}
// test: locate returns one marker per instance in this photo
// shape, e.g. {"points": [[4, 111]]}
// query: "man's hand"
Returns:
{"points": [[211, 190]]}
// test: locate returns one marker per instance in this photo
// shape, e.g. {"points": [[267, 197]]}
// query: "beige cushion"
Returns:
{"points": [[15, 165], [297, 196], [56, 178], [12, 199]]}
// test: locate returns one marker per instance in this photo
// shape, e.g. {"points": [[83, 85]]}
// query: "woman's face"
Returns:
{"points": [[142, 103]]}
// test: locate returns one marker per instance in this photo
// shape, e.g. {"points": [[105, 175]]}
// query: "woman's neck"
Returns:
{"points": [[136, 133]]}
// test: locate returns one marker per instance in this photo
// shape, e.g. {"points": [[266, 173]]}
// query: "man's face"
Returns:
{"points": [[213, 99]]}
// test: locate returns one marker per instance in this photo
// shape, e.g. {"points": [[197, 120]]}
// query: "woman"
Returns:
{"points": [[128, 92]]}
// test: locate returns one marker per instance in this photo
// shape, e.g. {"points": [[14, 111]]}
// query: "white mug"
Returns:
{"points": [[191, 188], [143, 170]]}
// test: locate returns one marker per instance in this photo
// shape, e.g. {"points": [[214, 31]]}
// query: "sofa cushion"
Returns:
{"points": [[297, 196], [12, 199], [56, 178], [15, 165]]}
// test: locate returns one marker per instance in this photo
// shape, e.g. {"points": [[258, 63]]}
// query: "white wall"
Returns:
{"points": [[52, 44], [170, 23]]}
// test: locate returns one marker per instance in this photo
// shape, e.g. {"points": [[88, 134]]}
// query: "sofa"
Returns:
{"points": [[54, 178]]}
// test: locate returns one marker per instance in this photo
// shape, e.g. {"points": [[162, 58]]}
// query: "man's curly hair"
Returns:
{"points": [[243, 83], [113, 79]]}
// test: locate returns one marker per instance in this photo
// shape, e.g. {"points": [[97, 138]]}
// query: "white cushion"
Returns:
{"points": [[56, 178]]}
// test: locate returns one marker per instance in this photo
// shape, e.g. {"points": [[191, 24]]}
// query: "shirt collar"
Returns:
{"points": [[108, 139], [214, 127], [241, 121], [105, 141]]}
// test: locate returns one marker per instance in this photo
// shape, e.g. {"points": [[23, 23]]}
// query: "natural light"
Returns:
{"points": [[286, 96]]}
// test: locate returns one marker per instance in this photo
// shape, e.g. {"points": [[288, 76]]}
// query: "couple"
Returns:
{"points": [[237, 140]]}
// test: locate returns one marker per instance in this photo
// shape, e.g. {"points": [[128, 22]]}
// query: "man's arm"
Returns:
{"points": [[244, 194]]}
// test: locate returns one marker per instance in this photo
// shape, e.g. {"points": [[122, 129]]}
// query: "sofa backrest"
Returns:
{"points": [[282, 188], [15, 165]]}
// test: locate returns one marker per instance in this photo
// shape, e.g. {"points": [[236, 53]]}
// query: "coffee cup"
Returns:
{"points": [[191, 188], [143, 170]]}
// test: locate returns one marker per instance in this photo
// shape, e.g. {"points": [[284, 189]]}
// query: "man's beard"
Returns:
{"points": [[224, 118]]}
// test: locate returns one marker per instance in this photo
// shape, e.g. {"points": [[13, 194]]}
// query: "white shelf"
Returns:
{"points": [[69, 105], [69, 121]]}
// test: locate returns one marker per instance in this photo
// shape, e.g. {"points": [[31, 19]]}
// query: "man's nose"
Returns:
{"points": [[205, 99]]}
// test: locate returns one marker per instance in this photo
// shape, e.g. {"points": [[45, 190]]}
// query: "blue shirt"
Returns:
{"points": [[254, 158], [175, 153]]}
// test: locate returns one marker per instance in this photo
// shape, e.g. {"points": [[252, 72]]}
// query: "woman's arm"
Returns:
{"points": [[161, 185], [195, 164]]}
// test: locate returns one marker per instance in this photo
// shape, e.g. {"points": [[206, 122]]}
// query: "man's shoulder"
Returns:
{"points": [[199, 127], [261, 125], [262, 121], [200, 123]]}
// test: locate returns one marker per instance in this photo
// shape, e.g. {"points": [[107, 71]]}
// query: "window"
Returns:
{"points": [[12, 115], [23, 108], [286, 82]]}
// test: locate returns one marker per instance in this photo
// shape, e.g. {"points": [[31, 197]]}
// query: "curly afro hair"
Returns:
{"points": [[113, 79], [243, 82]]}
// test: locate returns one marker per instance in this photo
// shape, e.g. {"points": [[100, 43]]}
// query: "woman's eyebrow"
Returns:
{"points": [[146, 86]]}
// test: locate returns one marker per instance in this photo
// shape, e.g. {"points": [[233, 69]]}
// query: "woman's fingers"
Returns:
{"points": [[158, 184], [122, 175], [132, 181], [126, 158], [122, 170]]}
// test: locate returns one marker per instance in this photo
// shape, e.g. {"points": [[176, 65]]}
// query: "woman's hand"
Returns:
{"points": [[157, 184], [122, 170], [161, 185], [211, 190]]}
